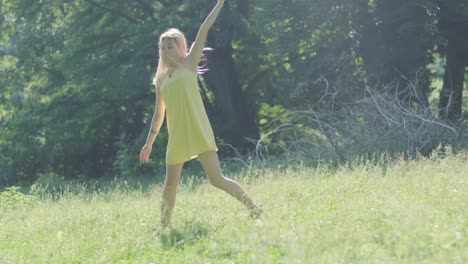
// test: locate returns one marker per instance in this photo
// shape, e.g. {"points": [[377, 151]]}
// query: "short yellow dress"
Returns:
{"points": [[190, 132]]}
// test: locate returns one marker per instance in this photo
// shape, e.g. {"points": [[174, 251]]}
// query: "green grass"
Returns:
{"points": [[405, 212]]}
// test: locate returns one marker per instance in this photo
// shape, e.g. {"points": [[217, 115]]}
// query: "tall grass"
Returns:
{"points": [[396, 211]]}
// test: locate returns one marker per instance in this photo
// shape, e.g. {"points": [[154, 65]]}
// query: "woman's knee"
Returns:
{"points": [[171, 182], [218, 181], [170, 185], [172, 176]]}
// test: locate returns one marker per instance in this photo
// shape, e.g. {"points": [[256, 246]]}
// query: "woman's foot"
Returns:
{"points": [[256, 212], [162, 230]]}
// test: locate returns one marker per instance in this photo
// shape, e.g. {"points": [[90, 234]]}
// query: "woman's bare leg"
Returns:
{"points": [[169, 192], [212, 168]]}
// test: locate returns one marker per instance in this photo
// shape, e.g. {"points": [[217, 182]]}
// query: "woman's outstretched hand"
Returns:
{"points": [[145, 153]]}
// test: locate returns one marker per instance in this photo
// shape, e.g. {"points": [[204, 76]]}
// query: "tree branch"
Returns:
{"points": [[131, 19]]}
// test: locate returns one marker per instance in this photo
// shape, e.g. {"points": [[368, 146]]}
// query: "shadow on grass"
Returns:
{"points": [[187, 234]]}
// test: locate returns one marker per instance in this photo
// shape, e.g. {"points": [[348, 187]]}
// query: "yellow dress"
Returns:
{"points": [[189, 129]]}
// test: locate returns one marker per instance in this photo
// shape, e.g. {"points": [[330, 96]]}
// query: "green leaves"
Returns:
{"points": [[12, 198]]}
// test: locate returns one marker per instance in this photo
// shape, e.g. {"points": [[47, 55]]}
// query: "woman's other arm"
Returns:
{"points": [[156, 123]]}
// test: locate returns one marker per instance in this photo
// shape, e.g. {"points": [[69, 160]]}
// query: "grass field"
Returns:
{"points": [[403, 212]]}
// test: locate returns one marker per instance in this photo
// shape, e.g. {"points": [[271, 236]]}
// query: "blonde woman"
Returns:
{"points": [[190, 133]]}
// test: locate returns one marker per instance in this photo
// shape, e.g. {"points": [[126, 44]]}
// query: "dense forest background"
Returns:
{"points": [[313, 80]]}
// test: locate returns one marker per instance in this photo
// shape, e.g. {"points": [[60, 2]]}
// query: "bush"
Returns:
{"points": [[49, 182], [127, 164], [13, 198]]}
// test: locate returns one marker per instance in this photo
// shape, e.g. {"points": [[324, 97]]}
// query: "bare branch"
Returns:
{"points": [[377, 123]]}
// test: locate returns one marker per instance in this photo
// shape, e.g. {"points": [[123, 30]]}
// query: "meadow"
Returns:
{"points": [[398, 211]]}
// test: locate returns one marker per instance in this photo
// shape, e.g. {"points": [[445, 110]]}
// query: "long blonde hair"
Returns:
{"points": [[178, 40]]}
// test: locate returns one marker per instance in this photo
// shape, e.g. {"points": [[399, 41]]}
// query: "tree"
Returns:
{"points": [[82, 79], [396, 43], [453, 22]]}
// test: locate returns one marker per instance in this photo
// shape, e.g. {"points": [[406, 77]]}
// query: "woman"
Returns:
{"points": [[190, 133]]}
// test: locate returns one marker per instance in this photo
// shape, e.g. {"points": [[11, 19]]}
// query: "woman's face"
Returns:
{"points": [[169, 51]]}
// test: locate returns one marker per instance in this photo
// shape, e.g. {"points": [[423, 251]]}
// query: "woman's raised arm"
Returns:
{"points": [[195, 53]]}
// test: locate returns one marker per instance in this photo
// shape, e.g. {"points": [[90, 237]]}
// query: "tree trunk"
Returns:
{"points": [[243, 8], [395, 49], [450, 103], [233, 119], [453, 21]]}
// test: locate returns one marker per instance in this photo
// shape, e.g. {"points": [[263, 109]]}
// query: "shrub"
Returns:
{"points": [[13, 198]]}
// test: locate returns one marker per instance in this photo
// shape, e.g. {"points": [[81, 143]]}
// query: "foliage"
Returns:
{"points": [[12, 198], [307, 51], [70, 117], [75, 76]]}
